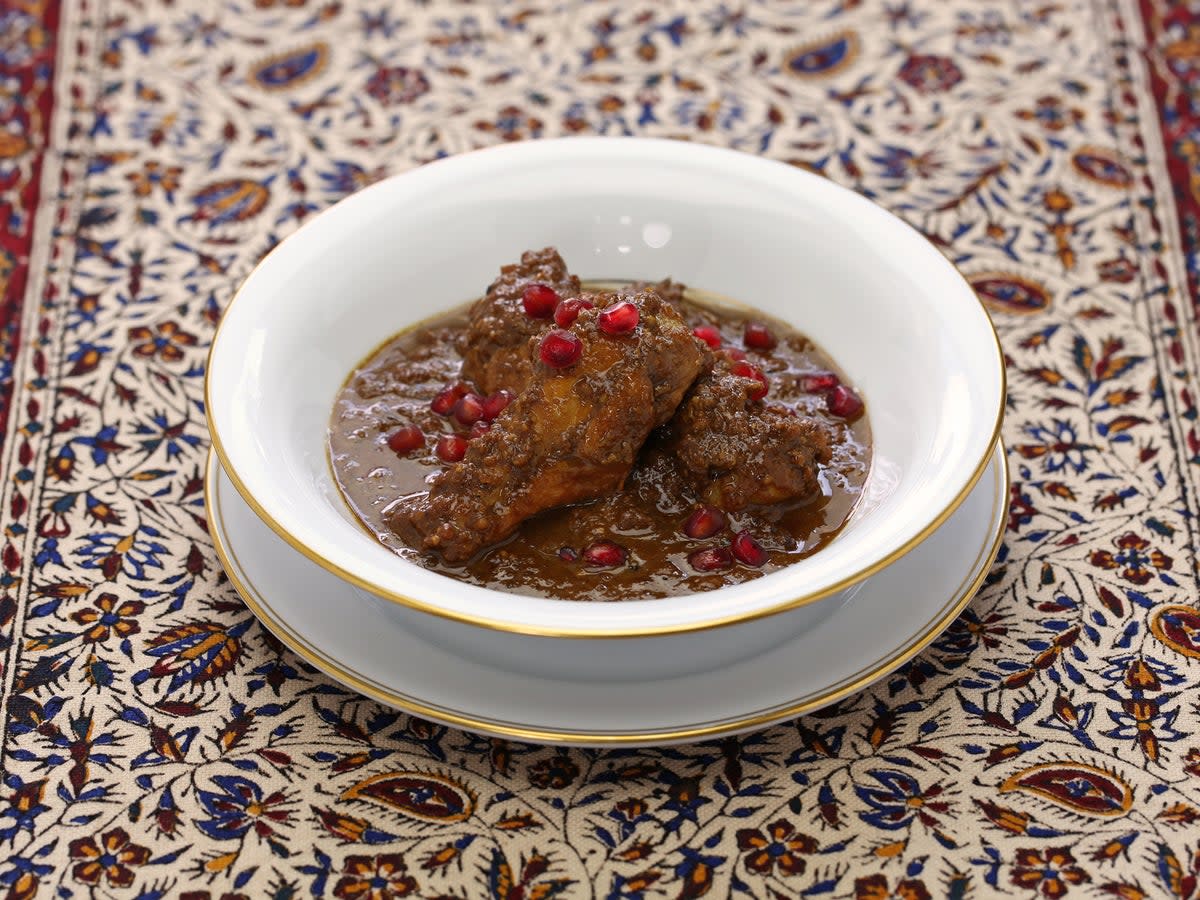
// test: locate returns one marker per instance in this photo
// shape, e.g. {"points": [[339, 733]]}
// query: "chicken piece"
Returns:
{"points": [[671, 291], [495, 345], [737, 452], [571, 435], [734, 451]]}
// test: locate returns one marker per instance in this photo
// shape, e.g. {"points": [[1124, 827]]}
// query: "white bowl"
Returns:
{"points": [[885, 304]]}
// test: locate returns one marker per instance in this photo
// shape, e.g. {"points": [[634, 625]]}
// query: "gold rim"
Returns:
{"points": [[539, 631], [261, 608]]}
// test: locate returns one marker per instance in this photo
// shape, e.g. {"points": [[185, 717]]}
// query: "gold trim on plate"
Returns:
{"points": [[540, 631], [261, 608]]}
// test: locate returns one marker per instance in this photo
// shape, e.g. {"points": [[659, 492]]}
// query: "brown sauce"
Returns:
{"points": [[394, 387]]}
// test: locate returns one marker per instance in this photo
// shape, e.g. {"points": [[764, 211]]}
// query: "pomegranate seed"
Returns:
{"points": [[708, 334], [818, 382], [620, 318], [710, 559], [566, 554], [704, 522], [605, 555], [469, 409], [843, 402], [480, 427], [745, 370], [539, 300], [568, 311], [560, 349], [443, 403], [758, 336], [734, 354], [406, 439], [451, 447], [495, 403], [748, 550]]}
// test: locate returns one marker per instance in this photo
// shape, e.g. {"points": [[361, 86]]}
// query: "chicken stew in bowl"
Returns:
{"points": [[599, 441]]}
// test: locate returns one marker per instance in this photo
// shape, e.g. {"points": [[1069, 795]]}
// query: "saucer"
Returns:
{"points": [[343, 633]]}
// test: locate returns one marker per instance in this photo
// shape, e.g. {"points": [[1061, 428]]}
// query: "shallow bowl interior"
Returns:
{"points": [[875, 294]]}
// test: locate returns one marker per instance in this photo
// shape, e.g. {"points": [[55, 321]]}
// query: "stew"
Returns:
{"points": [[600, 441]]}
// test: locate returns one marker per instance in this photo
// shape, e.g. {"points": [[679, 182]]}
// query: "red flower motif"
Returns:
{"points": [[929, 74], [512, 123], [556, 772], [166, 340], [1133, 556], [779, 846], [107, 616], [113, 859], [969, 629], [397, 84], [1051, 871], [382, 877], [875, 887], [1051, 114], [154, 174]]}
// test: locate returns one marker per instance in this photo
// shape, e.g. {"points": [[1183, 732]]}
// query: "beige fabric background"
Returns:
{"points": [[158, 742]]}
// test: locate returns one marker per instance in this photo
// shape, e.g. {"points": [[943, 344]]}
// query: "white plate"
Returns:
{"points": [[352, 639]]}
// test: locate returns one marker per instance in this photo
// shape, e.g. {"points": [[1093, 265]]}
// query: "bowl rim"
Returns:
{"points": [[712, 622]]}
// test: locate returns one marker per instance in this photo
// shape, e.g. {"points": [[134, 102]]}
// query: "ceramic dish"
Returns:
{"points": [[874, 293], [353, 640]]}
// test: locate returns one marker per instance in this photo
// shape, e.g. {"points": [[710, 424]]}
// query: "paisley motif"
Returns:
{"points": [[421, 795], [1178, 627], [820, 59], [286, 70], [1102, 166], [234, 200], [397, 84], [1077, 786], [1010, 293]]}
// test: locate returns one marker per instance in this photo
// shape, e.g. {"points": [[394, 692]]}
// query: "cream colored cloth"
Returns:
{"points": [[158, 742]]}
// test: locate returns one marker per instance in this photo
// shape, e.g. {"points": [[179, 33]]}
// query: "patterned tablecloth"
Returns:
{"points": [[158, 742]]}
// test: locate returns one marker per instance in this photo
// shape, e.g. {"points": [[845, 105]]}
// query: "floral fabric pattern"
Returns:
{"points": [[158, 742]]}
